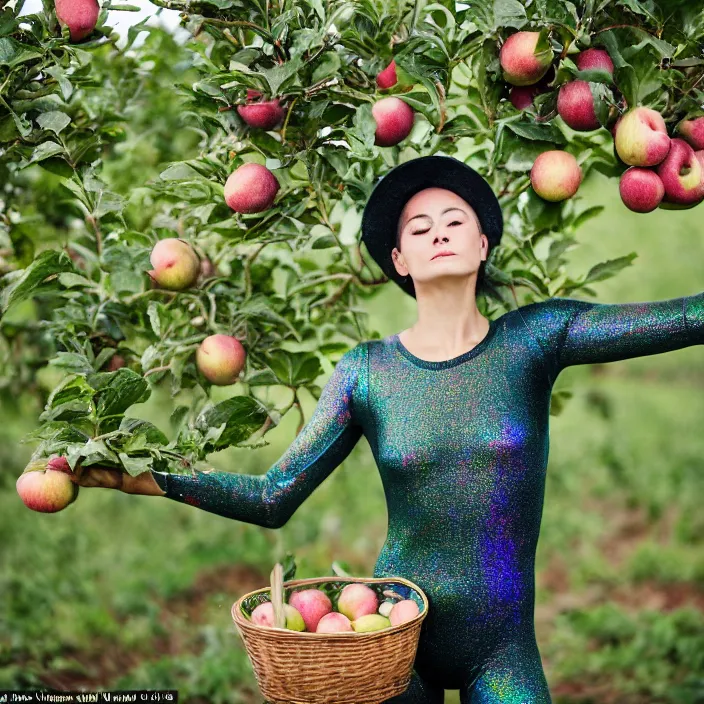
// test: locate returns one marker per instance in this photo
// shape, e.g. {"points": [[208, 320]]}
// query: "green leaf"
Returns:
{"points": [[508, 13], [48, 263], [13, 52], [72, 362], [587, 215], [153, 311], [69, 280], [140, 435], [44, 151], [230, 422], [535, 131], [69, 400], [294, 368], [605, 270], [135, 466], [55, 120], [117, 391]]}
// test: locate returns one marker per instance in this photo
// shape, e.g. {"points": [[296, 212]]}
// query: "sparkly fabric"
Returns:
{"points": [[462, 449]]}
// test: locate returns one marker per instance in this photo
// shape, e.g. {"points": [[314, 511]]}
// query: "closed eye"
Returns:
{"points": [[420, 232]]}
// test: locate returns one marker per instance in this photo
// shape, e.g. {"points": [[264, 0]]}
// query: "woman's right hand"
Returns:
{"points": [[109, 478]]}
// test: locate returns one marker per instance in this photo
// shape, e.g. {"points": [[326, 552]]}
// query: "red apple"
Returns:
{"points": [[682, 174], [575, 105], [387, 77], [251, 188], [394, 121], [641, 189], [521, 65], [522, 97], [641, 137], [594, 58], [555, 175], [45, 489], [220, 358], [692, 130], [80, 16], [312, 604], [262, 114]]}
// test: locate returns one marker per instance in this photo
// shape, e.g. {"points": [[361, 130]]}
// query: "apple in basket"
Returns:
{"points": [[403, 611], [334, 622], [370, 622], [263, 615], [357, 600], [312, 604]]}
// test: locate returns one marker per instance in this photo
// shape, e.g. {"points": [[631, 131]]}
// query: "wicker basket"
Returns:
{"points": [[299, 667]]}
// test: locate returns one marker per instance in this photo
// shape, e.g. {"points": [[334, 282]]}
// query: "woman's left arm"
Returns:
{"points": [[573, 331]]}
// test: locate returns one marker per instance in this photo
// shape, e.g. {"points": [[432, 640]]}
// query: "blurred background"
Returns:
{"points": [[127, 592]]}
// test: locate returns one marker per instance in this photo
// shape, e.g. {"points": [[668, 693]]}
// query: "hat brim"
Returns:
{"points": [[392, 192]]}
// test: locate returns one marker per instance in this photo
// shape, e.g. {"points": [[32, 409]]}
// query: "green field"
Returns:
{"points": [[121, 592]]}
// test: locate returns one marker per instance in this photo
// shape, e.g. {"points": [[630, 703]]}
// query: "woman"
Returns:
{"points": [[456, 412]]}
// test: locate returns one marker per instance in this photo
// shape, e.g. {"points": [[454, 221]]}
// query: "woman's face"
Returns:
{"points": [[437, 220]]}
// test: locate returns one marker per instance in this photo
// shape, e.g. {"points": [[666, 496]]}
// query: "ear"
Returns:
{"points": [[397, 259]]}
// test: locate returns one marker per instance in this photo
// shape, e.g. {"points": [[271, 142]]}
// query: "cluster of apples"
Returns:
{"points": [[640, 135], [664, 171], [80, 16], [220, 358], [358, 610], [46, 485], [252, 187]]}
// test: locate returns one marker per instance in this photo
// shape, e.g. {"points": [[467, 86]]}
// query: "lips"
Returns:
{"points": [[444, 254]]}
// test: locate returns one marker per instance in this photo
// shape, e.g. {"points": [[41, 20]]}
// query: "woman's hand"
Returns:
{"points": [[108, 478]]}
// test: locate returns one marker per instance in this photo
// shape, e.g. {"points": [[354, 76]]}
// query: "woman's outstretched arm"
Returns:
{"points": [[572, 331], [269, 500]]}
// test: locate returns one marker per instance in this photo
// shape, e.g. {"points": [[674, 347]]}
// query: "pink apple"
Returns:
{"points": [[313, 604], [263, 615], [176, 264], [522, 97], [394, 121], [357, 600], [641, 189], [403, 611], [334, 622], [641, 137], [387, 77], [682, 174], [262, 114], [575, 105], [80, 16], [555, 175], [594, 58], [251, 188], [46, 490], [519, 61], [221, 358], [692, 130]]}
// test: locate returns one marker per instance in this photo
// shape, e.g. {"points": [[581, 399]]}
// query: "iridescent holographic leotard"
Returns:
{"points": [[462, 448]]}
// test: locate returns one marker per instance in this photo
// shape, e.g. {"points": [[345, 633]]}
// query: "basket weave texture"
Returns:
{"points": [[293, 667]]}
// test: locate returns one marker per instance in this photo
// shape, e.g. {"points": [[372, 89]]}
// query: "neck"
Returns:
{"points": [[449, 321]]}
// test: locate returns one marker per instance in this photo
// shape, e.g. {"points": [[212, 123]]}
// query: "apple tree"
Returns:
{"points": [[231, 253]]}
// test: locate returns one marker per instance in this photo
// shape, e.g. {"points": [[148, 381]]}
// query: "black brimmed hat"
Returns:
{"points": [[394, 189]]}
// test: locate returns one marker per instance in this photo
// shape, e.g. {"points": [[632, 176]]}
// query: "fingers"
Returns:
{"points": [[99, 477]]}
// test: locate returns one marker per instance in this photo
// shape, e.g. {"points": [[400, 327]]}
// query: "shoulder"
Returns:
{"points": [[551, 315], [353, 360]]}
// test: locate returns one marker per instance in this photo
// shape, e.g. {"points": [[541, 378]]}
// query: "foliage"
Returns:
{"points": [[290, 281]]}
